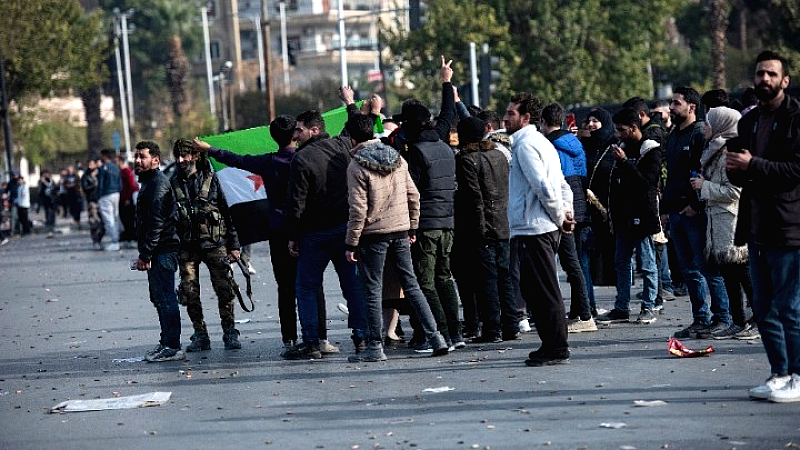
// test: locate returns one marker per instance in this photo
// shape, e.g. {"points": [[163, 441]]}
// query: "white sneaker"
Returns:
{"points": [[790, 392], [251, 269], [580, 326], [112, 247], [773, 383], [524, 326], [327, 348]]}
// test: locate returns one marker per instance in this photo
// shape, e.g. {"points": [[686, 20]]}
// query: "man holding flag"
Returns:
{"points": [[273, 170]]}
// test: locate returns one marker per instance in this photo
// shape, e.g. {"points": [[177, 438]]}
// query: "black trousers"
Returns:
{"points": [[539, 287], [284, 267], [737, 280]]}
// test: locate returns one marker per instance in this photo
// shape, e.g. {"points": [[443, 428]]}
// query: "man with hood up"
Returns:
{"points": [[384, 216], [633, 209]]}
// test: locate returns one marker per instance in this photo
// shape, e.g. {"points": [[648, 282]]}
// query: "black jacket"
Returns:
{"points": [[432, 165], [317, 195], [634, 187], [481, 201], [683, 151], [769, 208], [156, 216]]}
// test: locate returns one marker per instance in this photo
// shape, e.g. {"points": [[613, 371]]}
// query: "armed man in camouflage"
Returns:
{"points": [[207, 235]]}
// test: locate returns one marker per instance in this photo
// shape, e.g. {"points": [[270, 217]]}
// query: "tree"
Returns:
{"points": [[451, 25], [164, 33], [50, 45], [718, 13]]}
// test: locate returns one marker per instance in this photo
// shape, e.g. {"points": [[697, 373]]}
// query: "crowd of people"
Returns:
{"points": [[105, 189], [473, 209]]}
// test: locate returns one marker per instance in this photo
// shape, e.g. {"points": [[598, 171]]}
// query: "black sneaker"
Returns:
{"points": [[231, 339], [488, 338], [166, 354], [716, 328], [690, 332], [303, 351], [540, 359], [200, 342], [511, 335], [615, 315]]}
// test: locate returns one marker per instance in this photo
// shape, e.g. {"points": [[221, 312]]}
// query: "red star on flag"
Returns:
{"points": [[257, 181]]}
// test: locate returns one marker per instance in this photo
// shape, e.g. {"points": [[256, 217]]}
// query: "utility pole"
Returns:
{"points": [[122, 102], [270, 100], [209, 76], [342, 46], [127, 55], [9, 143]]}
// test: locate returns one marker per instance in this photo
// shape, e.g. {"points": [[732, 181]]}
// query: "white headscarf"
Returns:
{"points": [[723, 122]]}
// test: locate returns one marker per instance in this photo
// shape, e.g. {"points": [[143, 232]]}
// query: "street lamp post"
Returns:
{"points": [[342, 45], [9, 143], [123, 105], [224, 92], [127, 55], [209, 76]]}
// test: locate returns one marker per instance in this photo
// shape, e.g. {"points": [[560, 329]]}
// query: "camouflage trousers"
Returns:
{"points": [[189, 288], [96, 227]]}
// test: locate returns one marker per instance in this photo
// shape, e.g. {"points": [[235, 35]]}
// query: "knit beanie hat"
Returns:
{"points": [[470, 129]]}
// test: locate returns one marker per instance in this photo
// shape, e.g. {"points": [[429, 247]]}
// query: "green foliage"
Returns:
{"points": [[43, 141], [50, 45], [451, 26], [153, 24]]}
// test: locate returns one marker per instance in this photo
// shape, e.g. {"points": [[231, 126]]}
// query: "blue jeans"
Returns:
{"points": [[664, 276], [584, 244], [776, 305], [317, 249], [622, 258], [161, 280], [689, 238], [372, 257]]}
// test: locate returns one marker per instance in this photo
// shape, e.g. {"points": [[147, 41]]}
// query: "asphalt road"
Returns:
{"points": [[72, 318]]}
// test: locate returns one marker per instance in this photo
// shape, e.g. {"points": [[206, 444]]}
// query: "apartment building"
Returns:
{"points": [[312, 37]]}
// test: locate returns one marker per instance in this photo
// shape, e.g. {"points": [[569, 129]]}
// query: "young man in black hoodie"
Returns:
{"points": [[687, 219], [634, 214]]}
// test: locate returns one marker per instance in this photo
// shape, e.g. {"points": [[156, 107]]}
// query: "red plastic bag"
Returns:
{"points": [[679, 350]]}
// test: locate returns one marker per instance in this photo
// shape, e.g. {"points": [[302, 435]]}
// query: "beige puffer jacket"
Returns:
{"points": [[382, 196]]}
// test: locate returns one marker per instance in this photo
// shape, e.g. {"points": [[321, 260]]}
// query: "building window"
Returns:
{"points": [[212, 8], [214, 46]]}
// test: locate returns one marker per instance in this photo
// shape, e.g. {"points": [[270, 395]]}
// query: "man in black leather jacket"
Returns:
{"points": [[156, 233]]}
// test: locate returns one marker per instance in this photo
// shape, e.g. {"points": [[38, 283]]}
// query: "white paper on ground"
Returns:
{"points": [[614, 425], [242, 320], [439, 389], [644, 403], [128, 360], [100, 404]]}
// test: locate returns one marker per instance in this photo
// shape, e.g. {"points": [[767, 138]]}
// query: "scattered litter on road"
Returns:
{"points": [[439, 389], [614, 425], [676, 348], [128, 360], [242, 320], [129, 402], [646, 403]]}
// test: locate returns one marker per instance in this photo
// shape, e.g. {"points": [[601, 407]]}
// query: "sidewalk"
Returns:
{"points": [[73, 320]]}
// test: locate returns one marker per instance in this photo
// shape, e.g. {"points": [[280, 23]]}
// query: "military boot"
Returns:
{"points": [[200, 342], [231, 339]]}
